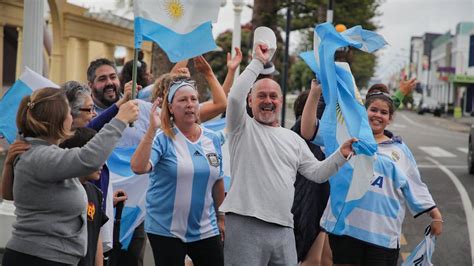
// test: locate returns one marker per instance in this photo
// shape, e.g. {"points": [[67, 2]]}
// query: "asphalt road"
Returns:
{"points": [[440, 150]]}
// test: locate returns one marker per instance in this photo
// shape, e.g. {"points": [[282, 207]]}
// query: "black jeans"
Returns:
{"points": [[15, 258], [348, 250], [169, 251]]}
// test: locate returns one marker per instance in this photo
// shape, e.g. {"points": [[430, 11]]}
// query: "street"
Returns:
{"points": [[440, 153]]}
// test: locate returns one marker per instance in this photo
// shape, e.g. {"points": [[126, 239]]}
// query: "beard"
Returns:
{"points": [[265, 117], [100, 96]]}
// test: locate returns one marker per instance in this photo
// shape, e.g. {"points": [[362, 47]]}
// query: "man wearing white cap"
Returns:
{"points": [[264, 160]]}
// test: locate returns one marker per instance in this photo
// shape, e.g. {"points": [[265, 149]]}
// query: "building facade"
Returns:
{"points": [[452, 75], [73, 37]]}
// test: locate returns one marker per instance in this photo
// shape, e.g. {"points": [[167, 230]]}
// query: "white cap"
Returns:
{"points": [[264, 35]]}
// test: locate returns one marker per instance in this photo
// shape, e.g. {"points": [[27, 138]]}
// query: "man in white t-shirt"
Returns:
{"points": [[264, 160]]}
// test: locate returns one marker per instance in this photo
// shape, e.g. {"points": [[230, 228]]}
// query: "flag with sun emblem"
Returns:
{"points": [[182, 28], [344, 117]]}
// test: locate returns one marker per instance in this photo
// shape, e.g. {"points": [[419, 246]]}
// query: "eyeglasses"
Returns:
{"points": [[89, 110]]}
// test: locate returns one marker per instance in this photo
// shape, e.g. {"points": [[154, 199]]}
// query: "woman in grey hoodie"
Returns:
{"points": [[50, 226]]}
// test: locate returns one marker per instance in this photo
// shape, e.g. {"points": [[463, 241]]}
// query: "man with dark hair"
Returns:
{"points": [[105, 85], [104, 82]]}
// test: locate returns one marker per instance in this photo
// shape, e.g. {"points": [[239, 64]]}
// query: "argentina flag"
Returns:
{"points": [[122, 177], [344, 116], [28, 82], [423, 252], [182, 28]]}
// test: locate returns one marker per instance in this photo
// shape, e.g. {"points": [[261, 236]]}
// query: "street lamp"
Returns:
{"points": [[236, 33]]}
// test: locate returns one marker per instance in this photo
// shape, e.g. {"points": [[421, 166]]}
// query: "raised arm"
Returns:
{"points": [[218, 104], [309, 115], [236, 111], [406, 87], [140, 162], [232, 65], [181, 64]]}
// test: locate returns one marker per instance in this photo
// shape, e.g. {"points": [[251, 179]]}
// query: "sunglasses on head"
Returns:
{"points": [[379, 93], [175, 85]]}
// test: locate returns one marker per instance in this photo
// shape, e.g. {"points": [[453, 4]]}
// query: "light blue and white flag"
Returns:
{"points": [[122, 177], [28, 82], [345, 115], [182, 28], [421, 255]]}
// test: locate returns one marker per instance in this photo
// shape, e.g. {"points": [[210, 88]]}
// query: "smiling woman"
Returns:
{"points": [[80, 101]]}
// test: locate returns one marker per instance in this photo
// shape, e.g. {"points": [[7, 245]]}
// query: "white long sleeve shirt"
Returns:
{"points": [[264, 160]]}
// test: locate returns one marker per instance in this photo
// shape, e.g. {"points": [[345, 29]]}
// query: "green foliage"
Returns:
{"points": [[347, 12], [300, 76], [218, 60], [362, 67]]}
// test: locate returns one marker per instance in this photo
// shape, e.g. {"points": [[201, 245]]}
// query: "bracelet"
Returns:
{"points": [[437, 220], [349, 156], [220, 213]]}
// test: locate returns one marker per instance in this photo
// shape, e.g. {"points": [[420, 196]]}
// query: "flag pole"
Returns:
{"points": [[134, 75]]}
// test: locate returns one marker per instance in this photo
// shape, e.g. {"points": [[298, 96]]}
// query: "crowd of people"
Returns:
{"points": [[275, 210]]}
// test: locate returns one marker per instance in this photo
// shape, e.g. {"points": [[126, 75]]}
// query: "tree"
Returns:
{"points": [[300, 76], [306, 14]]}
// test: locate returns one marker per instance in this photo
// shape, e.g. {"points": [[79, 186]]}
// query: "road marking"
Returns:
{"points": [[434, 131], [428, 166], [466, 202], [461, 149], [437, 152], [403, 240], [405, 255]]}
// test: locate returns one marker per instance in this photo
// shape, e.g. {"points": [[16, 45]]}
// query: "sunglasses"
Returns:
{"points": [[175, 85], [379, 93]]}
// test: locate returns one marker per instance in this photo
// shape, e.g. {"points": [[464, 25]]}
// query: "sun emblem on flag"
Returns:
{"points": [[174, 8]]}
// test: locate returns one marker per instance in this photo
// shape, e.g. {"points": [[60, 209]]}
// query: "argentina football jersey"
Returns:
{"points": [[179, 199], [379, 214]]}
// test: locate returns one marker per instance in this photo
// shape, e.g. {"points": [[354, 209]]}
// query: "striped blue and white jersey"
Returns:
{"points": [[179, 199], [378, 215]]}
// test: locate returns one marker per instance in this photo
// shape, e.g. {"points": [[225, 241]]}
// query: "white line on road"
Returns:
{"points": [[433, 131], [461, 149], [447, 166], [436, 152], [466, 202]]}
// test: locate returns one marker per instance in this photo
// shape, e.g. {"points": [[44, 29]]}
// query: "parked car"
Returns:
{"points": [[470, 152], [430, 105]]}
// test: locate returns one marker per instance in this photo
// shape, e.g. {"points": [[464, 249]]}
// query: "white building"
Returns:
{"points": [[452, 73]]}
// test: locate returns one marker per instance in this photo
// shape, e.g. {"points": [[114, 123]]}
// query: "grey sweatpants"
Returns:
{"points": [[253, 242]]}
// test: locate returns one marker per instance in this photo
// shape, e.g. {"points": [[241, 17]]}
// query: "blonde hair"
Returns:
{"points": [[42, 114], [162, 84], [167, 119]]}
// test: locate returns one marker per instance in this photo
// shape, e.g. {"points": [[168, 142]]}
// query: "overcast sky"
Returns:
{"points": [[400, 20]]}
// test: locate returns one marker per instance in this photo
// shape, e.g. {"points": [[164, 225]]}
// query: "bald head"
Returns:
{"points": [[266, 83], [266, 101]]}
